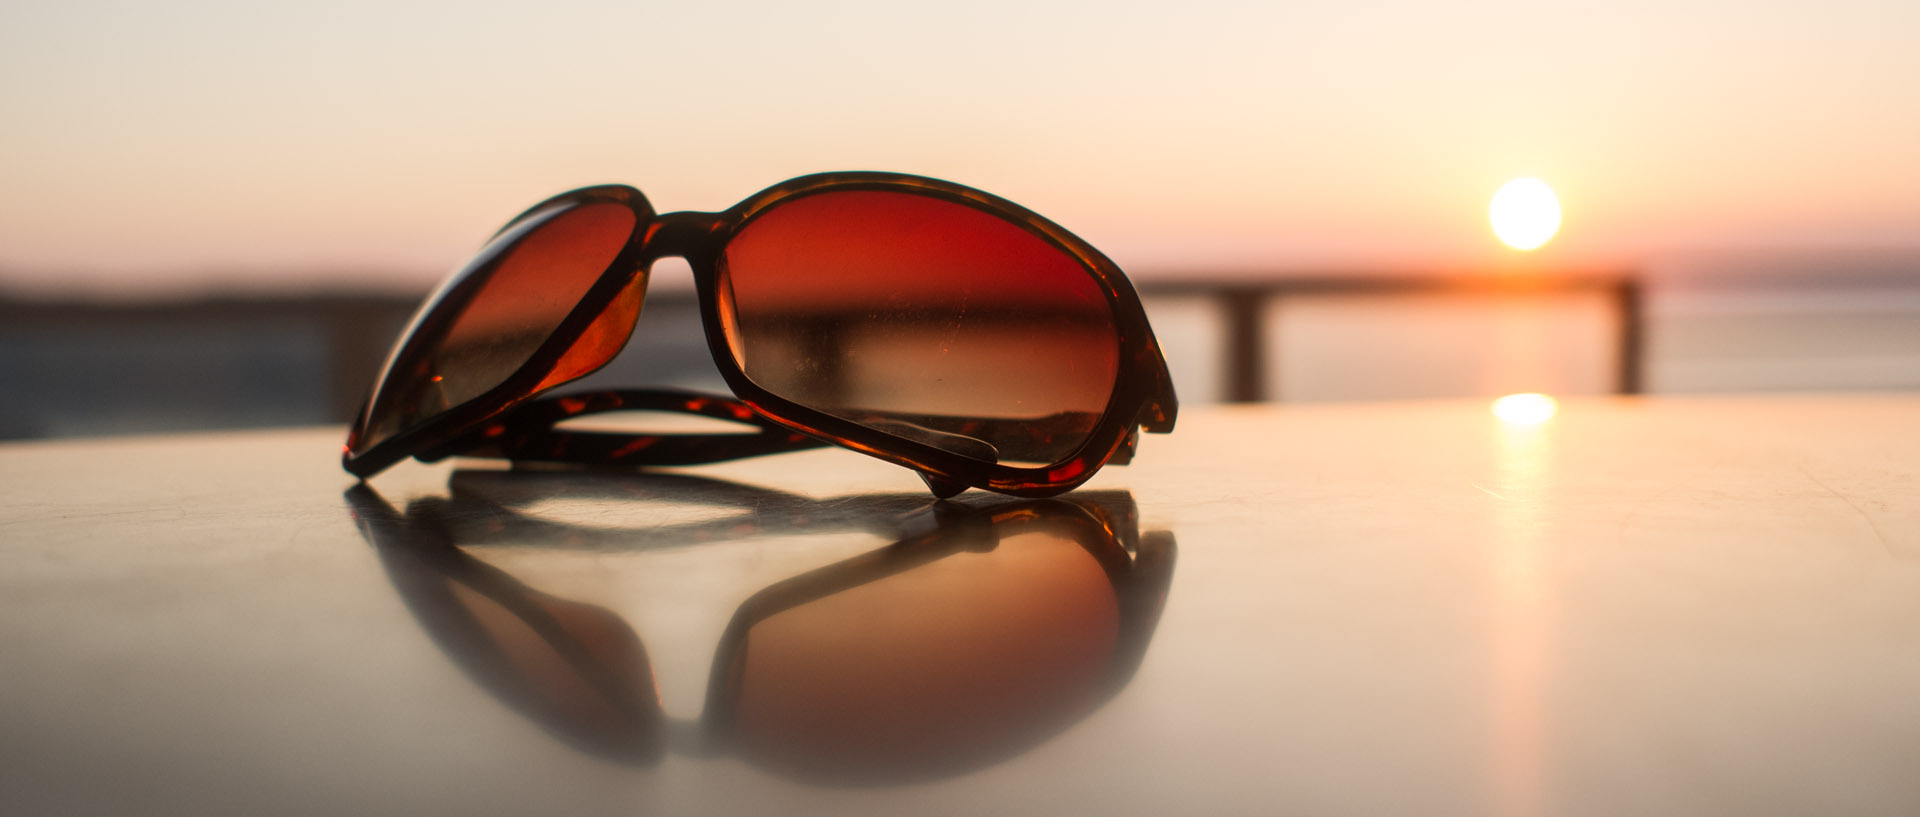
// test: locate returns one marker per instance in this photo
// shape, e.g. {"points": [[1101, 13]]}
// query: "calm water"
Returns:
{"points": [[231, 372]]}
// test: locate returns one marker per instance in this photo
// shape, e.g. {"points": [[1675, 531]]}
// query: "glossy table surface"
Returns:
{"points": [[1658, 606]]}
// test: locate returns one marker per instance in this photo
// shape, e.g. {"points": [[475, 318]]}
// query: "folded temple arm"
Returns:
{"points": [[530, 432]]}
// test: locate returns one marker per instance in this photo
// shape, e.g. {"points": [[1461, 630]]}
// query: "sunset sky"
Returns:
{"points": [[153, 146]]}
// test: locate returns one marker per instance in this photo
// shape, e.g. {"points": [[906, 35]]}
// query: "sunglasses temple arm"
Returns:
{"points": [[528, 432], [1162, 407]]}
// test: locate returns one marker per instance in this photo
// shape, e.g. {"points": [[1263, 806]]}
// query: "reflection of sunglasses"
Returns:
{"points": [[919, 321], [512, 508], [948, 650]]}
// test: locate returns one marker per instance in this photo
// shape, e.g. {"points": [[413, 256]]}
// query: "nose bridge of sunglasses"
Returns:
{"points": [[693, 236], [686, 235]]}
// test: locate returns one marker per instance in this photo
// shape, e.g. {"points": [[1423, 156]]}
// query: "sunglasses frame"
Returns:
{"points": [[1142, 394]]}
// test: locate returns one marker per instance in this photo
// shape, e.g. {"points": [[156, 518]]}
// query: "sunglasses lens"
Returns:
{"points": [[491, 317], [924, 318], [942, 666]]}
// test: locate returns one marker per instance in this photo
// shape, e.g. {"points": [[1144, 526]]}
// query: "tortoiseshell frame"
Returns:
{"points": [[528, 434], [1142, 395]]}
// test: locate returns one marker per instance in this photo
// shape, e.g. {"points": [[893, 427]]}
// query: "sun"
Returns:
{"points": [[1525, 213]]}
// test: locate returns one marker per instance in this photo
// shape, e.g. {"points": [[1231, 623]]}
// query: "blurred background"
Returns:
{"points": [[218, 214]]}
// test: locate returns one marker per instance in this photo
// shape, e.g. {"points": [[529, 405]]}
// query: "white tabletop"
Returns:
{"points": [[1657, 606]]}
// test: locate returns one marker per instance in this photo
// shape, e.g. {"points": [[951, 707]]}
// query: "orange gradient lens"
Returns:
{"points": [[491, 317], [925, 318]]}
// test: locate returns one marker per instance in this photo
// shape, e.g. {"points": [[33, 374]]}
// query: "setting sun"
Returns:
{"points": [[1525, 213]]}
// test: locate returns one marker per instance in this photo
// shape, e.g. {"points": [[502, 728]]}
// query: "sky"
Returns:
{"points": [[186, 145]]}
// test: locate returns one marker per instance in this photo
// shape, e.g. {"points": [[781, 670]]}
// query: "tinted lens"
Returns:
{"points": [[491, 316], [949, 664], [925, 318]]}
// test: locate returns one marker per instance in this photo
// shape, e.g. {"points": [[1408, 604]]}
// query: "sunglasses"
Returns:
{"points": [[911, 319], [978, 634]]}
